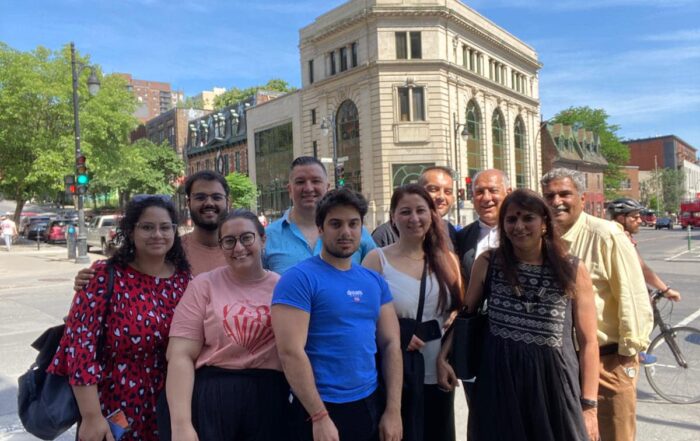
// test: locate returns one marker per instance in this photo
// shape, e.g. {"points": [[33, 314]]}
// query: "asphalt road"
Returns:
{"points": [[36, 290]]}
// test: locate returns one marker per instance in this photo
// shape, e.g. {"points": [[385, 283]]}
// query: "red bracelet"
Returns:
{"points": [[318, 416]]}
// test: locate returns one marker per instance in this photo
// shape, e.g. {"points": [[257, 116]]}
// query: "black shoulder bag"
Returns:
{"points": [[45, 402], [413, 372], [469, 332]]}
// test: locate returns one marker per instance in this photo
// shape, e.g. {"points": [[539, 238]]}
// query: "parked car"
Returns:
{"points": [[663, 222], [35, 230], [102, 232], [648, 218], [56, 231], [27, 226]]}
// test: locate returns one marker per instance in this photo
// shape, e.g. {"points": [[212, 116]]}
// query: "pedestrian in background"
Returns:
{"points": [[225, 380], [9, 231], [422, 245], [151, 273]]}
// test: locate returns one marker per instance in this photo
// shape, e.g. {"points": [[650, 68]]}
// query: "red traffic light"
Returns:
{"points": [[467, 180], [71, 189], [80, 160]]}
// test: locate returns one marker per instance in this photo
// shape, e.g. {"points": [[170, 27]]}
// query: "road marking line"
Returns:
{"points": [[677, 255], [689, 319]]}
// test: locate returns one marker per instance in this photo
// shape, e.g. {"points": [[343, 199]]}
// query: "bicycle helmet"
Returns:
{"points": [[624, 206]]}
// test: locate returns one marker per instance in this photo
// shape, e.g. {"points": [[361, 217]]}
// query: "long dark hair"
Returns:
{"points": [[554, 254], [437, 252], [125, 254]]}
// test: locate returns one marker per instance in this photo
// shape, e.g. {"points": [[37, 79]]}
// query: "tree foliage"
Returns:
{"points": [[244, 194], [664, 190], [616, 153], [235, 95]]}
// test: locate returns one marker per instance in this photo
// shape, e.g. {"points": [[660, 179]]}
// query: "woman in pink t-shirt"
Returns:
{"points": [[225, 380]]}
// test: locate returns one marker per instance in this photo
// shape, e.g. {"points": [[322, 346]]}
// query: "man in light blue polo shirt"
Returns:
{"points": [[295, 237]]}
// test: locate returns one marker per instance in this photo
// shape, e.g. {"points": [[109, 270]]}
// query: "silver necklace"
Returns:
{"points": [[531, 301]]}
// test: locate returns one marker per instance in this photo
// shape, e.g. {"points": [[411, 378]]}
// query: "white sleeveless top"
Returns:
{"points": [[405, 290]]}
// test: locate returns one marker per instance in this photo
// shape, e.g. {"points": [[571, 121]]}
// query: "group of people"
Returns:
{"points": [[235, 331]]}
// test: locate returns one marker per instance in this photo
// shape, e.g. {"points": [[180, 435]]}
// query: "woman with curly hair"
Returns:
{"points": [[127, 373]]}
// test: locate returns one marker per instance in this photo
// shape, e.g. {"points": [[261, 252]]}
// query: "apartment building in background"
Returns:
{"points": [[154, 97]]}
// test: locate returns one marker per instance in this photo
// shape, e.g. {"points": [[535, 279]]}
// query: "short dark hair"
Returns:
{"points": [[340, 197], [307, 160], [242, 213], [440, 168], [205, 175]]}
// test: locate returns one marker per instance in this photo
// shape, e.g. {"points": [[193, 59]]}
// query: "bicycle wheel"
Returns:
{"points": [[669, 378]]}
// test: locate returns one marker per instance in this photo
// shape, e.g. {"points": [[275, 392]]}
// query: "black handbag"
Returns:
{"points": [[469, 332], [45, 402], [413, 372]]}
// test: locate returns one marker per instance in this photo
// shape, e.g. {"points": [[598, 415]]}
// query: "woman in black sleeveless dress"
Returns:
{"points": [[532, 385]]}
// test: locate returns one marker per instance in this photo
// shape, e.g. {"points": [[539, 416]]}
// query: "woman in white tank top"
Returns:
{"points": [[422, 242]]}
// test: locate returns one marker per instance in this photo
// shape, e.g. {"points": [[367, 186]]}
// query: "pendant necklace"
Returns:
{"points": [[530, 301]]}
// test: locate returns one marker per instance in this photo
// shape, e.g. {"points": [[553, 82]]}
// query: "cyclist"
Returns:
{"points": [[626, 212]]}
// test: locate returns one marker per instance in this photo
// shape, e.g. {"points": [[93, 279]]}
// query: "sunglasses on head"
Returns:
{"points": [[142, 197]]}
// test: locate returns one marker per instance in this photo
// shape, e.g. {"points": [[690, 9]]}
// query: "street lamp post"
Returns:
{"points": [[464, 134], [93, 86], [328, 123]]}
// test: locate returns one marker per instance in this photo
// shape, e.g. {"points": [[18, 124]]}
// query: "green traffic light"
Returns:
{"points": [[82, 179]]}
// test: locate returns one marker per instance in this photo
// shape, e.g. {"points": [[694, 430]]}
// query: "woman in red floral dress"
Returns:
{"points": [[151, 273]]}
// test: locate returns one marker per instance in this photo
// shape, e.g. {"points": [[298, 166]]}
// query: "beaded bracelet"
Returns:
{"points": [[318, 416]]}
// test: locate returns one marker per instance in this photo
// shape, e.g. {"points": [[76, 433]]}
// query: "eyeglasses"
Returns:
{"points": [[202, 197], [229, 242], [149, 229]]}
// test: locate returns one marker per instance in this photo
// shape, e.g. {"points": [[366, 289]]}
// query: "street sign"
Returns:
{"points": [[326, 160], [343, 159]]}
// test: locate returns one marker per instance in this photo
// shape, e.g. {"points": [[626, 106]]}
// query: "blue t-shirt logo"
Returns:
{"points": [[356, 295]]}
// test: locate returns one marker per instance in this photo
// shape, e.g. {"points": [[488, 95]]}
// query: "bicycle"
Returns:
{"points": [[676, 374]]}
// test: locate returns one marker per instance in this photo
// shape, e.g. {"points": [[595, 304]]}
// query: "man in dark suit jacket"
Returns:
{"points": [[439, 183], [489, 189]]}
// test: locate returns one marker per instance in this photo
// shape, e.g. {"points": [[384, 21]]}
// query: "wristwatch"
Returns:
{"points": [[588, 404]]}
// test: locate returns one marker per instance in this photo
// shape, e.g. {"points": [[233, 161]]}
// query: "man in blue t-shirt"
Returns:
{"points": [[294, 237], [330, 317]]}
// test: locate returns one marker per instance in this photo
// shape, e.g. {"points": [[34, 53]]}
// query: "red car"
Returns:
{"points": [[56, 231], [648, 218]]}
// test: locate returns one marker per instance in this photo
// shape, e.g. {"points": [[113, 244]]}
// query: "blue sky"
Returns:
{"points": [[637, 59]]}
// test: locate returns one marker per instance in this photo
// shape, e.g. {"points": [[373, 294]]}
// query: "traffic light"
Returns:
{"points": [[468, 185], [69, 185], [340, 175], [81, 175]]}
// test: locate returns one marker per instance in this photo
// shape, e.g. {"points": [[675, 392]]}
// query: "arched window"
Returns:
{"points": [[474, 163], [499, 137], [520, 163], [348, 132]]}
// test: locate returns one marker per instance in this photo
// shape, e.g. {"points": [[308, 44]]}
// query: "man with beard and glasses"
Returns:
{"points": [[207, 198], [295, 237], [331, 316], [624, 313], [439, 183]]}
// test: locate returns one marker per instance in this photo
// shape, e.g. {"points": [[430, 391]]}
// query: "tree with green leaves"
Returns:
{"points": [[37, 144], [236, 95], [613, 150], [244, 193]]}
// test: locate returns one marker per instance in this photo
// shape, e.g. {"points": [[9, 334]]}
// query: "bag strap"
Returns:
{"points": [[108, 301], [487, 282], [421, 297]]}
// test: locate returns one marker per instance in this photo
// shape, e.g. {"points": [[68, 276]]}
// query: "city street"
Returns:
{"points": [[36, 289]]}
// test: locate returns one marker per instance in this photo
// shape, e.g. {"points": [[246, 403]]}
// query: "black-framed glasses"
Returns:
{"points": [[229, 242], [150, 229], [202, 197]]}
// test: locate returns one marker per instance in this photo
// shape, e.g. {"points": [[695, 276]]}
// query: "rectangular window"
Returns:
{"points": [[353, 52], [411, 104], [343, 59], [465, 56], [311, 71], [313, 116], [401, 46], [332, 57], [237, 161], [416, 52], [314, 146]]}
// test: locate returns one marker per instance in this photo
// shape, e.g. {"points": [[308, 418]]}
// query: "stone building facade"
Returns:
{"points": [[401, 80]]}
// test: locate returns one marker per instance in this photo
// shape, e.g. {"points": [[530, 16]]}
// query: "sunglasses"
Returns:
{"points": [[142, 197]]}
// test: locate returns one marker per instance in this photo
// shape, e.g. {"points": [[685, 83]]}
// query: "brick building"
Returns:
{"points": [[563, 146], [172, 127], [154, 97], [630, 187]]}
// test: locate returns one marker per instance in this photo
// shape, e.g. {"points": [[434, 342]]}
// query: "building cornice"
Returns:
{"points": [[442, 12]]}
